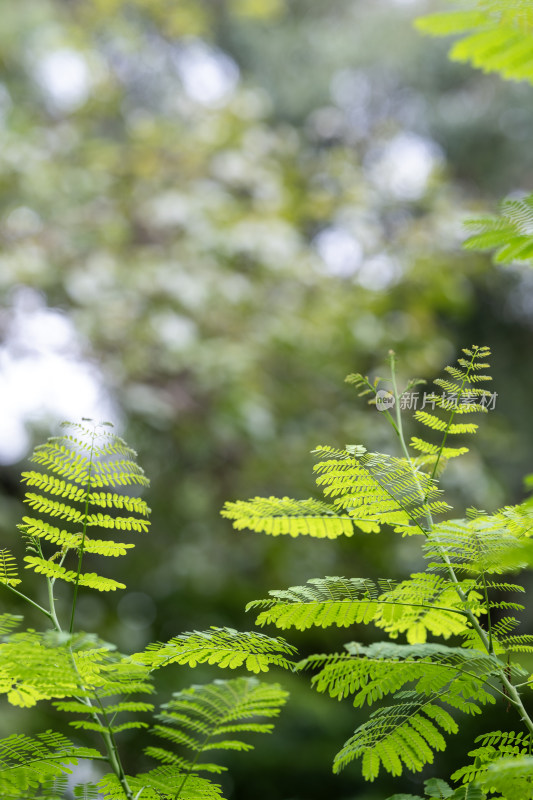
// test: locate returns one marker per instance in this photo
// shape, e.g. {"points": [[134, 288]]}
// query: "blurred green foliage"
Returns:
{"points": [[235, 204]]}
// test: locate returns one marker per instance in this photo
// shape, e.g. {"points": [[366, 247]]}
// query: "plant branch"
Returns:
{"points": [[486, 640], [82, 543], [113, 755], [30, 601]]}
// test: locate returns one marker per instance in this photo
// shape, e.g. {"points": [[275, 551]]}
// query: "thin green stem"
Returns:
{"points": [[398, 427], [30, 601], [113, 755], [51, 598], [192, 765], [487, 606], [51, 601], [116, 762], [84, 532]]}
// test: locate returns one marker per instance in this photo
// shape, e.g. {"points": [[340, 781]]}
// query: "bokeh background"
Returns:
{"points": [[211, 211]]}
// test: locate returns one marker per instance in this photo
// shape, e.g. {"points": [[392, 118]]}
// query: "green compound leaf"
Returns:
{"points": [[510, 233], [8, 569], [224, 647], [26, 763], [424, 603], [406, 734], [284, 516], [497, 36], [159, 784], [200, 719], [79, 474]]}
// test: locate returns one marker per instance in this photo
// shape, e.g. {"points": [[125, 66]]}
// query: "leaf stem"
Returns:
{"points": [[51, 600], [192, 765], [30, 601], [489, 623], [113, 755], [84, 532]]}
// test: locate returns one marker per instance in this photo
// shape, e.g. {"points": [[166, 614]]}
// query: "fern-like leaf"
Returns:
{"points": [[407, 733], [285, 516], [161, 783], [76, 487], [425, 602], [321, 602], [474, 546], [50, 666], [375, 489], [222, 646], [201, 717], [371, 672], [437, 789], [54, 571], [32, 668], [497, 36], [8, 622], [8, 569], [511, 776], [491, 747], [27, 763], [510, 233], [460, 395], [87, 791]]}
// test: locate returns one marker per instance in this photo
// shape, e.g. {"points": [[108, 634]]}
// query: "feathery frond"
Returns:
{"points": [[79, 472], [377, 489], [509, 233], [437, 789], [46, 666], [27, 763], [407, 733], [8, 622], [491, 747], [86, 791], [460, 396], [473, 546], [511, 776], [54, 571], [276, 516], [321, 602], [34, 667], [225, 647], [161, 783], [425, 602], [8, 569], [200, 719], [497, 36]]}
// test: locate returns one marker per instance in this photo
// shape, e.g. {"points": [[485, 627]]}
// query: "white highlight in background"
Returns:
{"points": [[44, 378]]}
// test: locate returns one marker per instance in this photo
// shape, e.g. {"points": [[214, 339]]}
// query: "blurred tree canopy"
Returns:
{"points": [[220, 208]]}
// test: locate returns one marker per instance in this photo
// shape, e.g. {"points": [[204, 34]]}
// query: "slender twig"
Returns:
{"points": [[82, 543], [487, 605], [113, 755], [30, 601], [192, 764]]}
